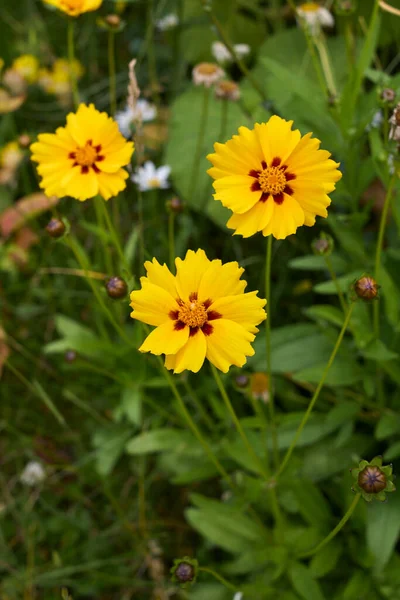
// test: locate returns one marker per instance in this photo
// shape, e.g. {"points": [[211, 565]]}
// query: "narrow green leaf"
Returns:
{"points": [[383, 528], [304, 583]]}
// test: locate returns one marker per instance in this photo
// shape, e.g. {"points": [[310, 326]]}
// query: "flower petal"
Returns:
{"points": [[192, 355], [245, 309], [165, 339], [161, 276], [287, 217], [190, 271], [152, 304], [228, 344], [277, 138], [255, 219], [221, 280]]}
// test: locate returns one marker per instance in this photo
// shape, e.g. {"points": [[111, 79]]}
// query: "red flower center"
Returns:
{"points": [[86, 156], [272, 181], [194, 314]]}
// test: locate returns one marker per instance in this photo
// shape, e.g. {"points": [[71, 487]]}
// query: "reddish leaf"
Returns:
{"points": [[26, 208]]}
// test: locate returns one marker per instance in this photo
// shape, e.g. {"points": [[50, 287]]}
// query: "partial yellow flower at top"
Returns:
{"points": [[74, 8], [273, 179], [27, 66], [202, 312], [84, 158]]}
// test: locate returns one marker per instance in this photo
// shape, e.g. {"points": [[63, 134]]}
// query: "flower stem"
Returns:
{"points": [[71, 60], [115, 238], [334, 531], [271, 405], [332, 273], [221, 579], [316, 394], [326, 65], [200, 141], [171, 239], [224, 119], [240, 63], [152, 65], [111, 72], [237, 423], [200, 407], [379, 245]]}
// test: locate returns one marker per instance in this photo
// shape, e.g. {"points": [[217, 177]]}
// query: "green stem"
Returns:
{"points": [[141, 229], [224, 119], [379, 246], [237, 423], [200, 407], [326, 65], [316, 394], [115, 238], [111, 72], [171, 239], [240, 63], [221, 579], [339, 292], [271, 404], [200, 142], [335, 531], [152, 64], [100, 222], [71, 60]]}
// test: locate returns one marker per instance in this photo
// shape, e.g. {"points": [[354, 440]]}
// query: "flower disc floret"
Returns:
{"points": [[84, 158], [202, 312], [273, 179]]}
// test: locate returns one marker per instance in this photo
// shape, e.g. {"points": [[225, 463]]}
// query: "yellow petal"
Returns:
{"points": [[245, 309], [235, 192], [80, 185], [189, 272], [152, 304], [287, 217], [192, 355], [111, 184], [165, 339], [221, 280], [277, 138], [228, 344], [170, 362], [161, 276], [255, 219]]}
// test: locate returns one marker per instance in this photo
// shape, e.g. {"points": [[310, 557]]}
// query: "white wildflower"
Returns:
{"points": [[207, 74], [33, 474], [238, 596], [168, 22], [144, 110], [149, 177], [315, 16], [223, 55]]}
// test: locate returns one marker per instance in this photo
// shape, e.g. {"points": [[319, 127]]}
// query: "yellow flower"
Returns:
{"points": [[200, 313], [62, 65], [74, 8], [84, 158], [273, 179], [27, 66], [11, 155]]}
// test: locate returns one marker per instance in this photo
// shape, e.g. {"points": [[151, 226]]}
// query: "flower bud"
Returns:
{"points": [[259, 386], [323, 245], [366, 288], [113, 20], [242, 381], [184, 571], [24, 140], [116, 287], [70, 356], [175, 205], [55, 228], [387, 96], [372, 480], [344, 8]]}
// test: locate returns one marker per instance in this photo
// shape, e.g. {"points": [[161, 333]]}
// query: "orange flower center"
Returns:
{"points": [[193, 314], [309, 6], [272, 180], [86, 156], [207, 68]]}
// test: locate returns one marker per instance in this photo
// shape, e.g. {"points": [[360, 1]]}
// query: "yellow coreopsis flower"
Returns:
{"points": [[27, 66], [84, 158], [273, 179], [202, 312], [74, 8]]}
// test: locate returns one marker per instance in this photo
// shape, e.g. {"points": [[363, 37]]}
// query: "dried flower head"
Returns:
{"points": [[259, 386], [116, 287], [184, 571], [372, 480], [388, 95], [227, 90], [366, 288], [394, 133], [207, 74]]}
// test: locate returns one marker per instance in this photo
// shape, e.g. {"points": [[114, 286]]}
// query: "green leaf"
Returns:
{"points": [[383, 528], [317, 263], [109, 446], [159, 440], [345, 281], [377, 350], [325, 560], [132, 403], [342, 372], [304, 583], [312, 504], [358, 587], [388, 425], [392, 452], [391, 296], [325, 312]]}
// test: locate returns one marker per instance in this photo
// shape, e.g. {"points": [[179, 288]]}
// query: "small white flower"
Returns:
{"points": [[143, 110], [315, 16], [376, 121], [168, 22], [33, 474], [207, 74], [238, 596], [149, 177], [223, 55]]}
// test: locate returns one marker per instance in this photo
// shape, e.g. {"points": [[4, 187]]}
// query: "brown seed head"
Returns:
{"points": [[55, 228], [227, 90], [184, 572], [388, 95], [113, 20], [372, 480], [366, 288], [116, 287]]}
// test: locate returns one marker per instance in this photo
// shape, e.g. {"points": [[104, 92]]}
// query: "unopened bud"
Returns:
{"points": [[366, 288], [113, 20], [323, 245], [344, 8], [70, 356], [388, 96], [184, 570], [24, 140], [116, 287], [175, 205], [372, 480], [242, 381], [55, 228]]}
